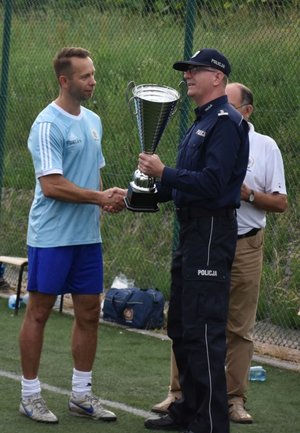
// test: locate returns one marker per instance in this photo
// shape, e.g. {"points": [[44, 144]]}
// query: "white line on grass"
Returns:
{"points": [[57, 390]]}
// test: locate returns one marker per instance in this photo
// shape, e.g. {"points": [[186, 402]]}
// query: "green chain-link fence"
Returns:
{"points": [[139, 41]]}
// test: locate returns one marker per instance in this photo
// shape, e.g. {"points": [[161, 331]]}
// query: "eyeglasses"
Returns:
{"points": [[195, 69], [240, 106]]}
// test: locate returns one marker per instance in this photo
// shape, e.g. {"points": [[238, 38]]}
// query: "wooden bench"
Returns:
{"points": [[21, 263]]}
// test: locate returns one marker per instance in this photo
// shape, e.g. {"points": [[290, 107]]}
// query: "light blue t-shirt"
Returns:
{"points": [[61, 143]]}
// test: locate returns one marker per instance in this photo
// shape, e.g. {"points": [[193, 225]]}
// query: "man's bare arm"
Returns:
{"points": [[59, 188]]}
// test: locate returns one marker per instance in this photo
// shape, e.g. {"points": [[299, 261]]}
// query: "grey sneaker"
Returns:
{"points": [[163, 406], [35, 408], [89, 406], [238, 414]]}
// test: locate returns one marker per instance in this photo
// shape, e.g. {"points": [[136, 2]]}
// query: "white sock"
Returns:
{"points": [[30, 386], [81, 382]]}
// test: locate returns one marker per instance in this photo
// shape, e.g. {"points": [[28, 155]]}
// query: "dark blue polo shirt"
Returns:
{"points": [[212, 160]]}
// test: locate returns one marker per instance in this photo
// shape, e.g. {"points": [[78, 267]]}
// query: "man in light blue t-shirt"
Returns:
{"points": [[64, 241]]}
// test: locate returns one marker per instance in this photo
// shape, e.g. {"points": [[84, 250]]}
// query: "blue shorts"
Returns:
{"points": [[72, 269]]}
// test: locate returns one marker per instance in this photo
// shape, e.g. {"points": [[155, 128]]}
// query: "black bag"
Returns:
{"points": [[133, 307]]}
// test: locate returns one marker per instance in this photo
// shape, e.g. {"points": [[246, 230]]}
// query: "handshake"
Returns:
{"points": [[113, 199]]}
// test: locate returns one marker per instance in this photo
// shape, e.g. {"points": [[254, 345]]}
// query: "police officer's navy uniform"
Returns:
{"points": [[205, 186]]}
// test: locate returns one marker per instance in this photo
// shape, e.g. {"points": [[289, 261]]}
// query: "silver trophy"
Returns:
{"points": [[154, 106]]}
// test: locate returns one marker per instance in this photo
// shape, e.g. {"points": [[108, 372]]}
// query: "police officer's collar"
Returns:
{"points": [[215, 103]]}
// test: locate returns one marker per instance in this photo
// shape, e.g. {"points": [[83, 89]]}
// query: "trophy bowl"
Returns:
{"points": [[154, 105]]}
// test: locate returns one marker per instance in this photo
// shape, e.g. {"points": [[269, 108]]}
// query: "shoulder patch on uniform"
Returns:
{"points": [[223, 113]]}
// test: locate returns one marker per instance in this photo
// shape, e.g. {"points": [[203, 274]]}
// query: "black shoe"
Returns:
{"points": [[164, 422]]}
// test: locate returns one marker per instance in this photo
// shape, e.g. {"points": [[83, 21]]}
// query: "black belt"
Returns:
{"points": [[252, 232], [186, 213]]}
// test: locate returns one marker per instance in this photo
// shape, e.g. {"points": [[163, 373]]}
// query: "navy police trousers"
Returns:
{"points": [[197, 320]]}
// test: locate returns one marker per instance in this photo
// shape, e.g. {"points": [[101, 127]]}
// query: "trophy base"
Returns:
{"points": [[140, 201]]}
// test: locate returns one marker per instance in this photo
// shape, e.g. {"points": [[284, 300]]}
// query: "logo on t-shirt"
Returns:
{"points": [[95, 134], [72, 139]]}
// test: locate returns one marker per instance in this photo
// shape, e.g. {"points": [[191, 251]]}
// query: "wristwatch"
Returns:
{"points": [[251, 197]]}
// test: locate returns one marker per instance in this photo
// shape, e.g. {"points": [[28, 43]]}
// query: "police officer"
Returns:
{"points": [[205, 187], [263, 190]]}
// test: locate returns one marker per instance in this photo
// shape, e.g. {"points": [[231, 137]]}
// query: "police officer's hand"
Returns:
{"points": [[150, 165]]}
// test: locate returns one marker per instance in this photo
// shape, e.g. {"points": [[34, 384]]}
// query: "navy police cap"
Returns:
{"points": [[205, 57]]}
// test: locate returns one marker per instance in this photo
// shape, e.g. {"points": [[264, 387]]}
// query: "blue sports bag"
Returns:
{"points": [[134, 307]]}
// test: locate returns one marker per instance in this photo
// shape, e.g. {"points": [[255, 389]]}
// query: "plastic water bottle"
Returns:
{"points": [[12, 301], [257, 374], [25, 299]]}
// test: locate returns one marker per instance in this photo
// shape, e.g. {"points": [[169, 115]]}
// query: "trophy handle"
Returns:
{"points": [[182, 88], [129, 97], [182, 93]]}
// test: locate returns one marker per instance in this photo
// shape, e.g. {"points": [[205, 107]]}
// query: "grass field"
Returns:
{"points": [[131, 373]]}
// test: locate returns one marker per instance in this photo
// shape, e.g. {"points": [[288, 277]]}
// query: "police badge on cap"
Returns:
{"points": [[206, 57]]}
